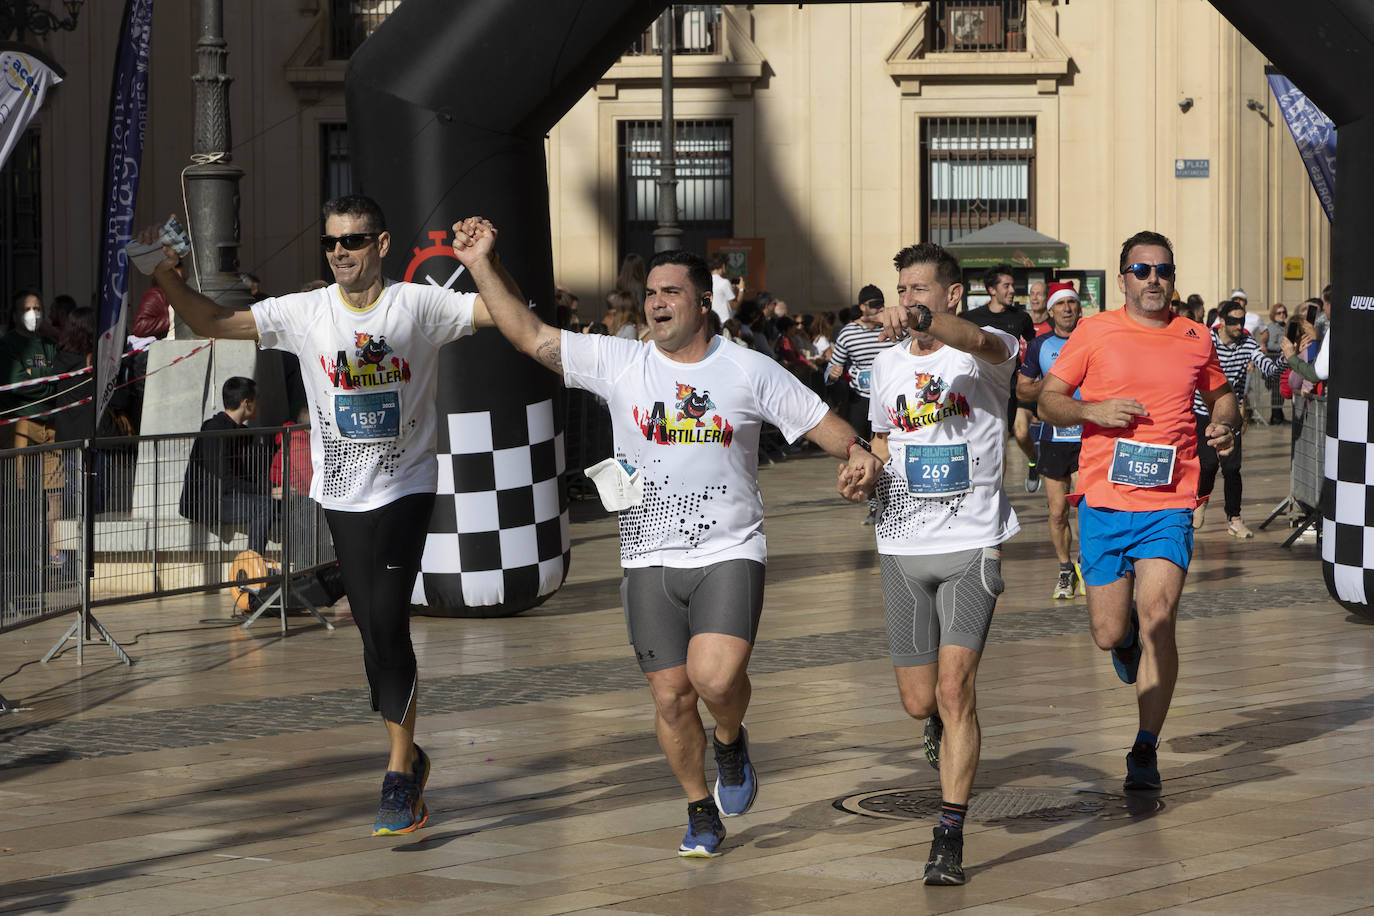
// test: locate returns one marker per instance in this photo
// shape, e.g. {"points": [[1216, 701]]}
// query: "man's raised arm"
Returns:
{"points": [[499, 300], [202, 314]]}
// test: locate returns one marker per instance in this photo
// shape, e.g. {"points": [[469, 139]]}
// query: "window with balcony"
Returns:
{"points": [[21, 219], [977, 25], [976, 172], [696, 30], [705, 183], [352, 21]]}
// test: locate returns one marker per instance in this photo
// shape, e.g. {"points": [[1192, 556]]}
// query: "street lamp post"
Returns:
{"points": [[667, 234], [212, 182]]}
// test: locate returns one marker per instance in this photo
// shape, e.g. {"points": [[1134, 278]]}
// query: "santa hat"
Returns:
{"points": [[1059, 291]]}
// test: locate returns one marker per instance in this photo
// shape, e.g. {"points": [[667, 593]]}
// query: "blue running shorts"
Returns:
{"points": [[1111, 540]]}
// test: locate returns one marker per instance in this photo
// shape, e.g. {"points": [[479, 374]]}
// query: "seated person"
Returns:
{"points": [[226, 477]]}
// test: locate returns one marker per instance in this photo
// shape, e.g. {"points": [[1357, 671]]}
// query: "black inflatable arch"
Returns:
{"points": [[448, 105], [1326, 47]]}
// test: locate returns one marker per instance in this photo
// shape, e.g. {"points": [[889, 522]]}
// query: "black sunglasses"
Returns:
{"points": [[1234, 320], [1142, 271], [351, 242]]}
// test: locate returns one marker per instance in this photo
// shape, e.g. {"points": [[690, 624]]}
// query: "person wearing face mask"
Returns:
{"points": [[26, 353]]}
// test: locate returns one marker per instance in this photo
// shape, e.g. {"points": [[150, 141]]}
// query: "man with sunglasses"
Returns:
{"points": [[368, 349], [1236, 351], [1136, 369]]}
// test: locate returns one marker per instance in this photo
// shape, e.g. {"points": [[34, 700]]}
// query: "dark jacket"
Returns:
{"points": [[219, 466], [75, 422]]}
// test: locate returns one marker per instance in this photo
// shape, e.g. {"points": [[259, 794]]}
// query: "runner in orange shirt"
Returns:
{"points": [[1136, 369]]}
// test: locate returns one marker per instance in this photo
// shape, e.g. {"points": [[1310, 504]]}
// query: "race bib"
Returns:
{"points": [[862, 380], [371, 417], [1067, 434], [1142, 464], [937, 470]]}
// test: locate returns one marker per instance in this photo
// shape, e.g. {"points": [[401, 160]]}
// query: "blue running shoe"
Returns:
{"points": [[402, 809], [736, 783], [1142, 768], [705, 832], [1126, 659]]}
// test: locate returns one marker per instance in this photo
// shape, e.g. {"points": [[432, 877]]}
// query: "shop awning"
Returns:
{"points": [[1009, 243]]}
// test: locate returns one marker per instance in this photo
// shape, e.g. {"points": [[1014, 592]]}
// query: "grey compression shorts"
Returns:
{"points": [[941, 600], [665, 607]]}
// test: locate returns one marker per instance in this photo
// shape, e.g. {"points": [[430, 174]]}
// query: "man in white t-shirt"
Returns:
{"points": [[939, 412], [722, 293], [686, 412], [368, 349]]}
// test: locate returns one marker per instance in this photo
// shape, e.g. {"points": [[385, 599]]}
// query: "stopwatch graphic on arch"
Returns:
{"points": [[436, 264]]}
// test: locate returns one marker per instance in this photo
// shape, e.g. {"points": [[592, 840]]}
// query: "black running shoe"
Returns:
{"points": [[1142, 768], [935, 730], [1127, 660], [1033, 479], [946, 862]]}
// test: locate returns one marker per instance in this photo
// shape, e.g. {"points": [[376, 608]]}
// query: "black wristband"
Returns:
{"points": [[861, 442]]}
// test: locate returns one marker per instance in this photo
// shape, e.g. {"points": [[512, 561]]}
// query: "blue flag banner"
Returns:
{"points": [[1315, 135], [123, 159]]}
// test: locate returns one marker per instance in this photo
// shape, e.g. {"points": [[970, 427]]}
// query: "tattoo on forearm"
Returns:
{"points": [[550, 353]]}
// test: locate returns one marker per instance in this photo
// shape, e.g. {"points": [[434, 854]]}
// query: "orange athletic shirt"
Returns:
{"points": [[1111, 355]]}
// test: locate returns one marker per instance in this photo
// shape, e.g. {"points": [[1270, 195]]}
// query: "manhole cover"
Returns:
{"points": [[1004, 804]]}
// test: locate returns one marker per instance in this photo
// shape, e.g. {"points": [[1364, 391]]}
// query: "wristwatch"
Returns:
{"points": [[861, 443], [1235, 430], [923, 323]]}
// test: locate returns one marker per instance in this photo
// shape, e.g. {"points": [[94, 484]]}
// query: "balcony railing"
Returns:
{"points": [[352, 21], [696, 30], [977, 25]]}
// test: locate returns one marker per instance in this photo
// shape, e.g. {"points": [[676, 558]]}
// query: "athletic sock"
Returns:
{"points": [[716, 742], [952, 815], [1149, 738], [1066, 566]]}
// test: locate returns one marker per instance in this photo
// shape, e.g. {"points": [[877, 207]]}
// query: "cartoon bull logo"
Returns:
{"points": [[929, 388], [371, 350], [692, 405]]}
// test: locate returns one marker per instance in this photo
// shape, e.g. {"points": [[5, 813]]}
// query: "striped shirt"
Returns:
{"points": [[1235, 362], [855, 348]]}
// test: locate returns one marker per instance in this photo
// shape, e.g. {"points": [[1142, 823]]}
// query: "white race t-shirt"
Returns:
{"points": [[722, 294], [946, 418], [692, 430], [369, 378]]}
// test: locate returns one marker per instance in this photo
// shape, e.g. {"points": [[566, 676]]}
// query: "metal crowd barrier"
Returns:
{"points": [[111, 521], [1309, 467]]}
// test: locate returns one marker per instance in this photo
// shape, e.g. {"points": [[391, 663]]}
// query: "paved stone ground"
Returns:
{"points": [[236, 772], [104, 737]]}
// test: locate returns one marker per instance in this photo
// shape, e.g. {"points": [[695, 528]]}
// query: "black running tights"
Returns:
{"points": [[379, 555]]}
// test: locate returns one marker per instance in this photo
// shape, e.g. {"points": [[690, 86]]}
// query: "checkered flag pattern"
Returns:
{"points": [[1347, 501], [499, 533]]}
